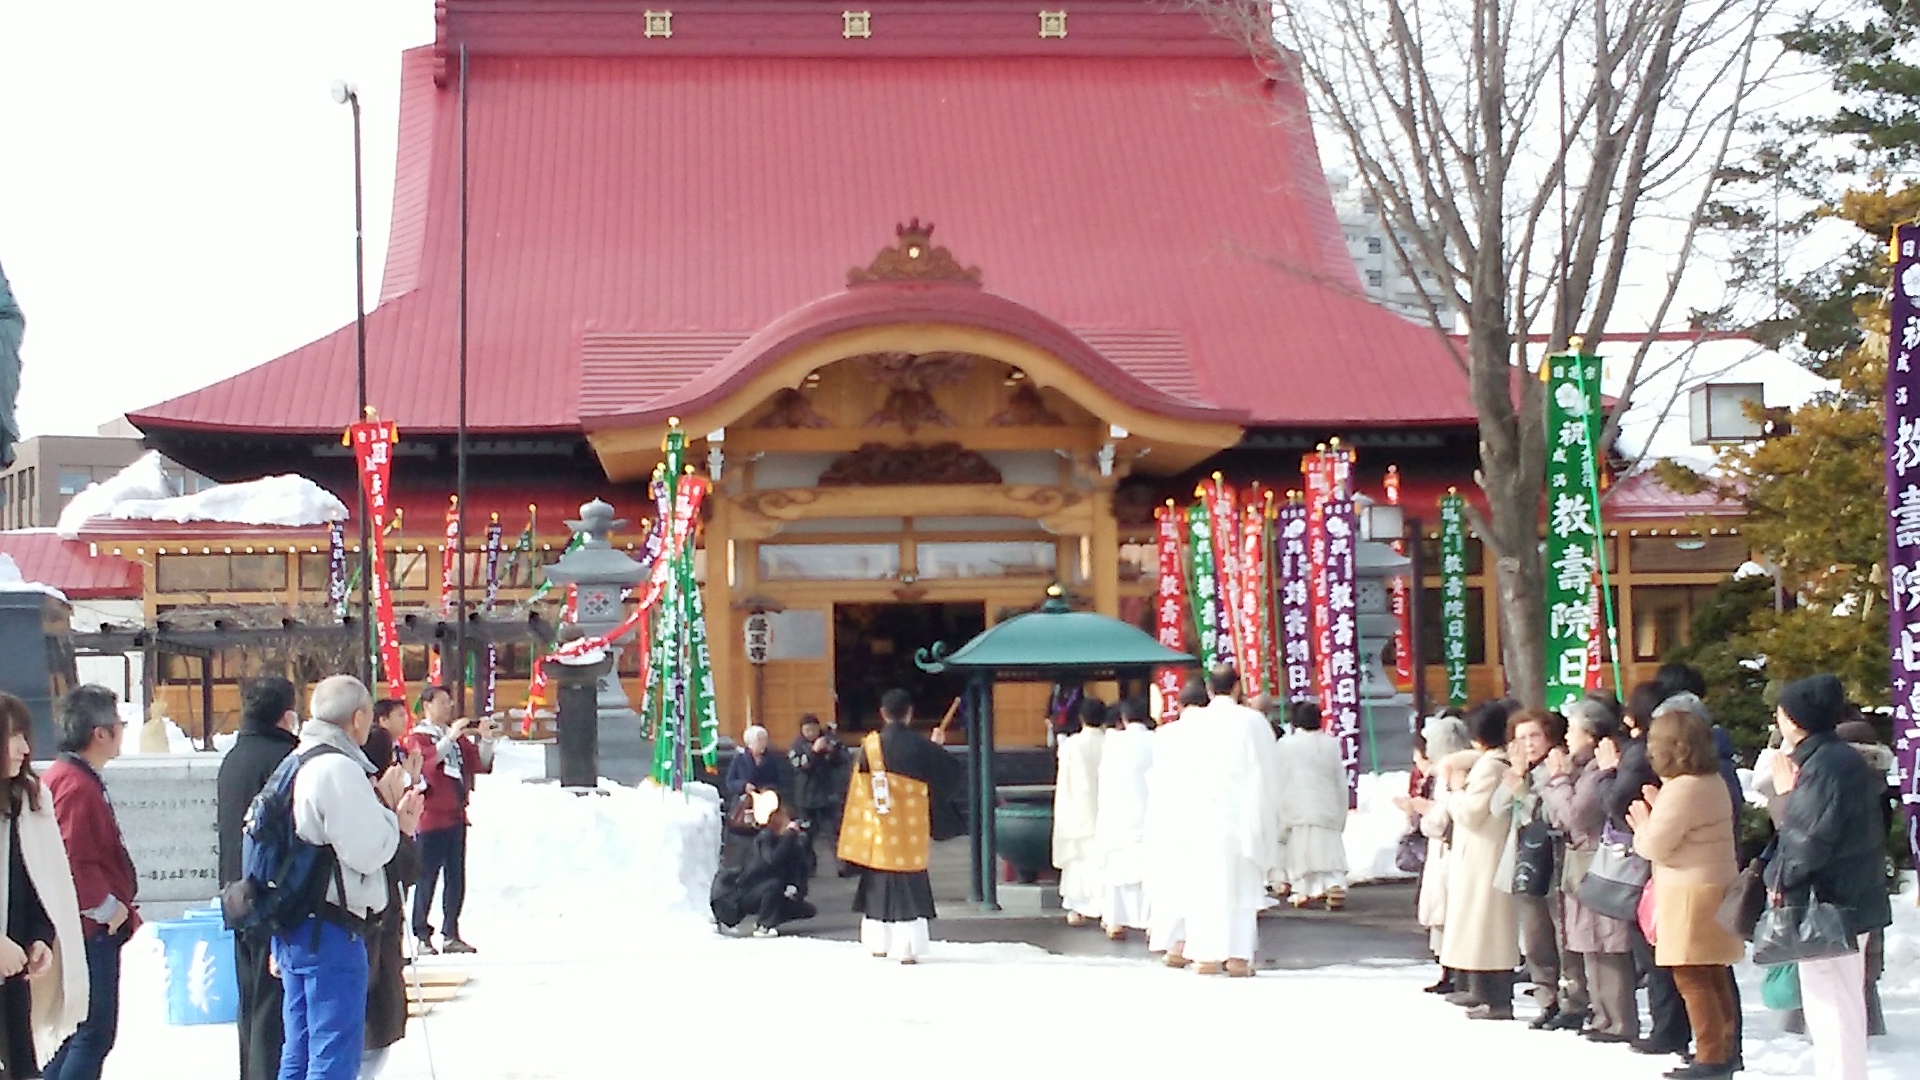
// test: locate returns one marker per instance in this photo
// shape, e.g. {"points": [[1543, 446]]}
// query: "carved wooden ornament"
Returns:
{"points": [[881, 464], [914, 259], [791, 411], [1026, 408]]}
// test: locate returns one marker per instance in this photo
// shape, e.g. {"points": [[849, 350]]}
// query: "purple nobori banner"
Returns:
{"points": [[490, 680], [337, 568], [1296, 604], [1903, 518], [1343, 637]]}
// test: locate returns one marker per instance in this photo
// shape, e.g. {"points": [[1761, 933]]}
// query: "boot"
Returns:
{"points": [[1876, 1016], [1445, 985], [1495, 990]]}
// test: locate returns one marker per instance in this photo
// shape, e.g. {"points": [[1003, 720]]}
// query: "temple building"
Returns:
{"points": [[947, 296]]}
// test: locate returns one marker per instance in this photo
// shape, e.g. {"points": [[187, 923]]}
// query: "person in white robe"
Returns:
{"points": [[1216, 835], [1166, 921], [1076, 805], [1120, 825], [1313, 810]]}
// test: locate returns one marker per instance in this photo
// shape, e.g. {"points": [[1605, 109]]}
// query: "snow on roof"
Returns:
{"points": [[12, 581], [140, 492]]}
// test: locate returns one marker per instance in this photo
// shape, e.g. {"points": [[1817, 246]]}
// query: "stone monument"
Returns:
{"points": [[1386, 714], [601, 575], [168, 812]]}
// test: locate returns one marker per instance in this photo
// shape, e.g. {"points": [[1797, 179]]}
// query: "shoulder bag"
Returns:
{"points": [[1811, 930], [1616, 879]]}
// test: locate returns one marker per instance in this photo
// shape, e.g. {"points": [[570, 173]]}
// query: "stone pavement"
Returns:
{"points": [[1378, 924]]}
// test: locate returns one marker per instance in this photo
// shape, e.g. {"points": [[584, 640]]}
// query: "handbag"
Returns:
{"points": [[1746, 899], [888, 817], [1616, 879], [1410, 855], [1533, 859], [1647, 913], [1812, 931], [1780, 988]]}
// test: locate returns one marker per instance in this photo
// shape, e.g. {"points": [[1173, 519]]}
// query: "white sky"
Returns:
{"points": [[176, 187]]}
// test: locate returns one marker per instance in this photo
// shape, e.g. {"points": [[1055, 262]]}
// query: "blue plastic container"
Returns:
{"points": [[201, 988]]}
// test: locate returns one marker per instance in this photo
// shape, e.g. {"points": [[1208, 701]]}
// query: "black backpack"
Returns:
{"points": [[283, 879]]}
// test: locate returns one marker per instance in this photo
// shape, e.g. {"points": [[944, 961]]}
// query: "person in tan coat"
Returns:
{"points": [[1685, 829], [1481, 943]]}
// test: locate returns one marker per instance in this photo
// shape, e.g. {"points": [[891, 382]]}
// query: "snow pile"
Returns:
{"points": [[144, 479], [12, 580], [1375, 827], [641, 852], [140, 492]]}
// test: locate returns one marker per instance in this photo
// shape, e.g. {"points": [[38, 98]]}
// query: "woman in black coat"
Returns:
{"points": [[1830, 848]]}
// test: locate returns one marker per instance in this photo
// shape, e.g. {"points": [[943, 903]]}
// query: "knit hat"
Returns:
{"points": [[1814, 703]]}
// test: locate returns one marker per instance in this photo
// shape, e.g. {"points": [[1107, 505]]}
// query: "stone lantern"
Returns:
{"points": [[601, 576], [1386, 714]]}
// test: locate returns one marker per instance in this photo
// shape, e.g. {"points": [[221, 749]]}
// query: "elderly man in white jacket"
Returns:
{"points": [[339, 804]]}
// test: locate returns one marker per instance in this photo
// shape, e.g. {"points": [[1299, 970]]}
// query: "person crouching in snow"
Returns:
{"points": [[769, 889], [1076, 802], [1313, 811]]}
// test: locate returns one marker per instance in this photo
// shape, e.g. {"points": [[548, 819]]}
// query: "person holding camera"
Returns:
{"points": [[452, 753], [819, 785]]}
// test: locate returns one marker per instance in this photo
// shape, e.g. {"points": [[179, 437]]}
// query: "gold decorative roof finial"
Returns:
{"points": [[914, 258]]}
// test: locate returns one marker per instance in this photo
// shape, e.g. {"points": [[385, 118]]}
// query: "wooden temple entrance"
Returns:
{"points": [[910, 460]]}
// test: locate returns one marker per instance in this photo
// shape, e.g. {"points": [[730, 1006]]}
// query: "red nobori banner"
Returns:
{"points": [[1222, 519], [1170, 601], [1256, 593], [373, 441]]}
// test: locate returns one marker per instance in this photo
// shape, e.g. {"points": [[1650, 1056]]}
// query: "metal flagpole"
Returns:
{"points": [[460, 436], [346, 94]]}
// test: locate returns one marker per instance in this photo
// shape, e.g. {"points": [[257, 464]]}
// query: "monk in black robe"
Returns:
{"points": [[903, 796]]}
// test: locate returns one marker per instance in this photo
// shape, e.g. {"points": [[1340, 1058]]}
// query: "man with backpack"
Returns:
{"points": [[269, 727], [321, 885]]}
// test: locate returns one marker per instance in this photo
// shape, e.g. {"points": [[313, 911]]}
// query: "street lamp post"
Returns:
{"points": [[344, 93]]}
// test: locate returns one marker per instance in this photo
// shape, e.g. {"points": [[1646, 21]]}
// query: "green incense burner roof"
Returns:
{"points": [[1055, 641]]}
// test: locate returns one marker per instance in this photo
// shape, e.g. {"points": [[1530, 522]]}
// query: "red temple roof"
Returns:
{"points": [[1134, 196], [72, 566]]}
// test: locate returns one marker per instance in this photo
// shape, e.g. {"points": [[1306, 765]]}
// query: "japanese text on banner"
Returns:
{"points": [[372, 443], [1573, 412], [1296, 607], [1170, 601], [1903, 519], [1340, 694], [1453, 596]]}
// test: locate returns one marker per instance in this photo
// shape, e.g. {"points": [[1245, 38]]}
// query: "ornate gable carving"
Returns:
{"points": [[1026, 408], [910, 380], [939, 463], [791, 411], [914, 259]]}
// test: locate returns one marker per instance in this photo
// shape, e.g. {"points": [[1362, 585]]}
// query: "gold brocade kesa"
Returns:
{"points": [[887, 821]]}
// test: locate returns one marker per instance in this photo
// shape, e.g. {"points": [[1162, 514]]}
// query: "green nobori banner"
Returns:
{"points": [[1573, 418], [1453, 595], [1205, 585]]}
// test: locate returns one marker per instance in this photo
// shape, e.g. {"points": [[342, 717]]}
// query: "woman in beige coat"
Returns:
{"points": [[44, 996], [1481, 943], [1449, 755], [1684, 828]]}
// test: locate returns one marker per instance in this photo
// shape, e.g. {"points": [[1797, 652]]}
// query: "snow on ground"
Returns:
{"points": [[588, 971], [1374, 829]]}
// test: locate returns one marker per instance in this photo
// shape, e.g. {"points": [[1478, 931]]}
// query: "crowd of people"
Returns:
{"points": [[1522, 810], [1184, 831], [381, 799]]}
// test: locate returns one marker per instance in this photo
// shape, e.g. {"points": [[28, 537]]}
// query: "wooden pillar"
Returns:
{"points": [[1105, 568], [723, 623], [1622, 573]]}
